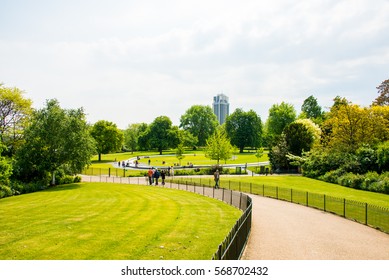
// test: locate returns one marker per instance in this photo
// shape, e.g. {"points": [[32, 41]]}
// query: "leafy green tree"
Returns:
{"points": [[200, 121], [312, 110], [218, 147], [15, 111], [180, 152], [107, 136], [161, 134], [244, 129], [278, 154], [298, 138], [5, 168], [55, 139], [187, 139], [383, 91], [131, 135], [280, 115]]}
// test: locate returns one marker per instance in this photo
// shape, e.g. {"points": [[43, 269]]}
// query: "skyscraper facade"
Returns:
{"points": [[221, 107]]}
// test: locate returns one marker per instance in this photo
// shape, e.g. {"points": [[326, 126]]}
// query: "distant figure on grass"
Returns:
{"points": [[150, 175], [216, 177]]}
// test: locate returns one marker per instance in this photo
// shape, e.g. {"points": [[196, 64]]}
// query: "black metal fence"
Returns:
{"points": [[364, 213], [233, 245]]}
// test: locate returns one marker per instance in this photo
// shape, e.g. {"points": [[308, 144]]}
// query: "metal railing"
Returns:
{"points": [[364, 213]]}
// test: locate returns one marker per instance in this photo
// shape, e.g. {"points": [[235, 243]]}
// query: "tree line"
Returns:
{"points": [[345, 145]]}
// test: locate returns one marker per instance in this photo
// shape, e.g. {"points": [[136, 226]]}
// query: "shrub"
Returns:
{"points": [[369, 179], [351, 180], [332, 176], [5, 191]]}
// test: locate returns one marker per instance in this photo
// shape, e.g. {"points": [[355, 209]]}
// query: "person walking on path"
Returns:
{"points": [[150, 175], [163, 175], [216, 177], [156, 176]]}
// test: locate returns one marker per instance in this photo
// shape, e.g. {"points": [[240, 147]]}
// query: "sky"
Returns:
{"points": [[132, 61]]}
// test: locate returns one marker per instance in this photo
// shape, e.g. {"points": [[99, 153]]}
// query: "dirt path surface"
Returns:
{"points": [[288, 231]]}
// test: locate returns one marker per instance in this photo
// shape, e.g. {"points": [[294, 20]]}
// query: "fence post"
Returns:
{"points": [[366, 214], [231, 198], [344, 207], [109, 172], [277, 192], [291, 195], [263, 190], [307, 199], [325, 203]]}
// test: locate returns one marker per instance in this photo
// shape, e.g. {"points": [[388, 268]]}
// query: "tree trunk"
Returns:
{"points": [[99, 156]]}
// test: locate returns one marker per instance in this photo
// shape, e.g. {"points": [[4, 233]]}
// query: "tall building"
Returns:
{"points": [[221, 107]]}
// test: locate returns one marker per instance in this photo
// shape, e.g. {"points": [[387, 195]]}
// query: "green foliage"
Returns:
{"points": [[383, 156], [161, 135], [383, 91], [280, 115], [312, 110], [15, 111], [200, 121], [5, 191], [131, 136], [56, 138], [107, 136], [5, 168], [218, 147], [244, 129]]}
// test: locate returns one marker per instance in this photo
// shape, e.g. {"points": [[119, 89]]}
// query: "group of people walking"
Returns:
{"points": [[154, 175]]}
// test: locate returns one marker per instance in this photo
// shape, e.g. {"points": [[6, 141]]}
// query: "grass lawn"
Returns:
{"points": [[99, 221], [299, 183], [194, 157]]}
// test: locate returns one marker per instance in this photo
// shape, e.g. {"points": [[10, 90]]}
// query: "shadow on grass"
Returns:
{"points": [[63, 187]]}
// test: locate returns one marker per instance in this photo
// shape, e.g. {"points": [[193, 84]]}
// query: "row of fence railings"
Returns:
{"points": [[364, 213], [233, 245]]}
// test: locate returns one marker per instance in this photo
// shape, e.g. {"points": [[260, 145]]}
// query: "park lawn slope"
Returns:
{"points": [[99, 221]]}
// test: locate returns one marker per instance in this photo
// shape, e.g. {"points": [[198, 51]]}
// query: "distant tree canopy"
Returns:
{"points": [[107, 136], [218, 147], [244, 129], [200, 121], [383, 91], [280, 115], [161, 135], [312, 110], [15, 111]]}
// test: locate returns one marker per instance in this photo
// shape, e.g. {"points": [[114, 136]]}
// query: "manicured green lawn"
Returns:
{"points": [[112, 221], [194, 157], [298, 183]]}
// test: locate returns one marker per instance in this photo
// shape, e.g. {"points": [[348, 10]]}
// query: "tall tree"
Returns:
{"points": [[200, 121], [162, 135], [383, 91], [131, 135], [280, 115], [15, 111], [218, 147], [108, 137], [312, 110], [244, 129], [56, 138]]}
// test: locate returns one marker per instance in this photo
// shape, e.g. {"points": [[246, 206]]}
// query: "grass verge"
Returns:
{"points": [[99, 221]]}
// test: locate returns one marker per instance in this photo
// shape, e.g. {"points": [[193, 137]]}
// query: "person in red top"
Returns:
{"points": [[150, 174]]}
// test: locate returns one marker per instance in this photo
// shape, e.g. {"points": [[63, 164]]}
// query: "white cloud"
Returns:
{"points": [[129, 61]]}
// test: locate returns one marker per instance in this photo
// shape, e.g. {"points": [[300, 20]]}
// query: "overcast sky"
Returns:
{"points": [[132, 61]]}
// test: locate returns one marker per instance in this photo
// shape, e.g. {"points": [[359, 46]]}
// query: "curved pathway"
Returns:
{"points": [[287, 231]]}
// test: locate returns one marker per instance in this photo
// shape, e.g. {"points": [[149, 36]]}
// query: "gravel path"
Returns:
{"points": [[288, 231]]}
